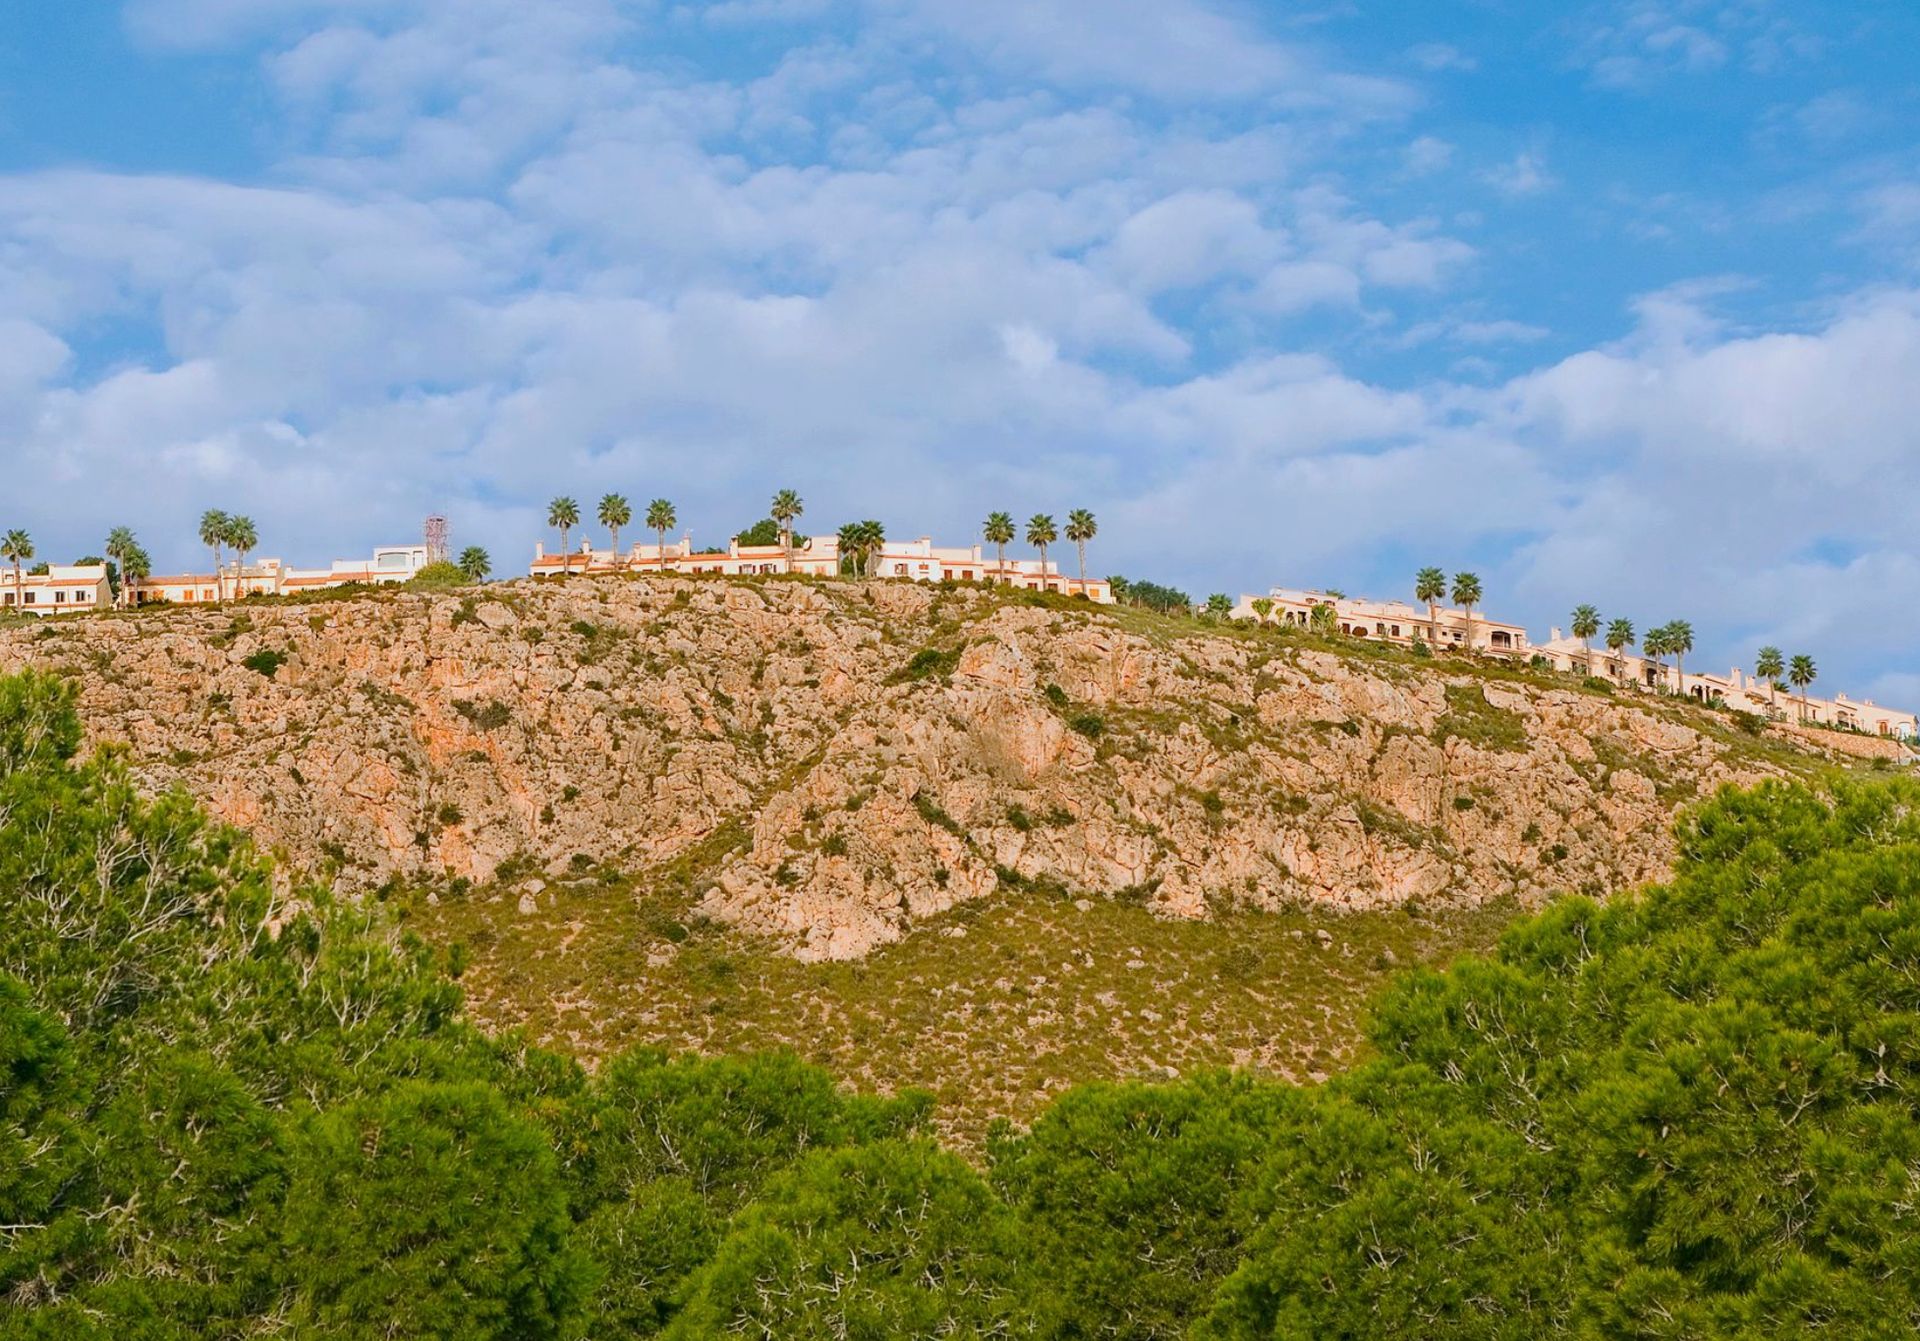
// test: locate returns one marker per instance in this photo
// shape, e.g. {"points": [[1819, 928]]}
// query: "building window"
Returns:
{"points": [[899, 570]]}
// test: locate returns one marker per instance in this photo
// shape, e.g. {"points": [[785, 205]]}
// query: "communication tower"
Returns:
{"points": [[437, 540]]}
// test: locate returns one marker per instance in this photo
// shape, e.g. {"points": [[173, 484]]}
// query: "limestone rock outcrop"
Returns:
{"points": [[831, 763]]}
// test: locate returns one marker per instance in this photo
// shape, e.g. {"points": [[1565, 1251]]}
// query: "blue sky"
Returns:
{"points": [[1614, 302]]}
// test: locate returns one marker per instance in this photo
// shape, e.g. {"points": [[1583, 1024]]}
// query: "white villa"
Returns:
{"points": [[64, 589], [272, 577], [819, 556], [1737, 689], [1393, 622]]}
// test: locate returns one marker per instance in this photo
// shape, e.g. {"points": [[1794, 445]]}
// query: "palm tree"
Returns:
{"points": [[1429, 588], [850, 544], [1081, 528], [1218, 606], [1262, 607], [861, 543], [661, 518], [1586, 623], [1801, 672], [475, 563], [244, 539], [563, 514], [17, 548], [999, 533], [1655, 646], [615, 512], [136, 568], [1323, 619], [1466, 595], [213, 534], [1619, 636], [121, 544], [873, 540], [787, 505], [1680, 642], [1041, 532], [1769, 665]]}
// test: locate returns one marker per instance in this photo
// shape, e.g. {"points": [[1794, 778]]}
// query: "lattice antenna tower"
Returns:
{"points": [[438, 540]]}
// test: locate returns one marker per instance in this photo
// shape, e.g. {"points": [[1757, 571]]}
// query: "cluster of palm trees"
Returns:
{"points": [[1042, 530], [1675, 639], [127, 554], [1672, 639], [1430, 588], [615, 512], [219, 532], [1799, 671], [861, 542]]}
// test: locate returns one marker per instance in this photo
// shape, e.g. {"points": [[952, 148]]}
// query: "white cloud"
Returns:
{"points": [[1427, 155], [1180, 49], [506, 251], [1526, 175], [1436, 56]]}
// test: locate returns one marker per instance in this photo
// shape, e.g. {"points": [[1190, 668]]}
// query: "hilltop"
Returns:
{"points": [[831, 764], [984, 842]]}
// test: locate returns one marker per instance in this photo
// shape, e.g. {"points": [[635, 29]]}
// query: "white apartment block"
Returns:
{"points": [[1393, 622], [271, 577], [819, 556], [64, 589], [1736, 689]]}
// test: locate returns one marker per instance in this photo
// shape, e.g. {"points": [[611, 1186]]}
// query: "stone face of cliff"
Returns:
{"points": [[830, 763]]}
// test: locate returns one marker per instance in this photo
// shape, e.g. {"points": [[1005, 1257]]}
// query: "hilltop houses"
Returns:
{"points": [[1393, 622], [917, 560], [272, 577], [1736, 689], [64, 589]]}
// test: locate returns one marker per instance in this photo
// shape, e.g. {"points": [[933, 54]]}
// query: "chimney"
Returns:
{"points": [[1556, 634]]}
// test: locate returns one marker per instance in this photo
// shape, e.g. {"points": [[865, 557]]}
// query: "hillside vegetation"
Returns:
{"points": [[1689, 1112]]}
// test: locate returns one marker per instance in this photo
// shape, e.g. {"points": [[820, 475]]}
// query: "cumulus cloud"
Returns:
{"points": [[930, 260]]}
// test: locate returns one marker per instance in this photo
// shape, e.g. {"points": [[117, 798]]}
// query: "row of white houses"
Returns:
{"points": [[1450, 628], [81, 588], [73, 588], [819, 556]]}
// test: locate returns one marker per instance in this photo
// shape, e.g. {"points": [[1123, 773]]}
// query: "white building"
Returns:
{"points": [[1736, 689], [917, 560], [64, 589], [1393, 622], [272, 577]]}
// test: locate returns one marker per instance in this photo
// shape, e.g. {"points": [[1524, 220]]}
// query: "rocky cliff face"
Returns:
{"points": [[830, 763]]}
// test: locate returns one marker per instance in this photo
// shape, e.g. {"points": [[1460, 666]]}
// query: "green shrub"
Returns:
{"points": [[1471, 718], [1089, 724], [928, 663], [266, 662], [488, 716], [439, 577]]}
